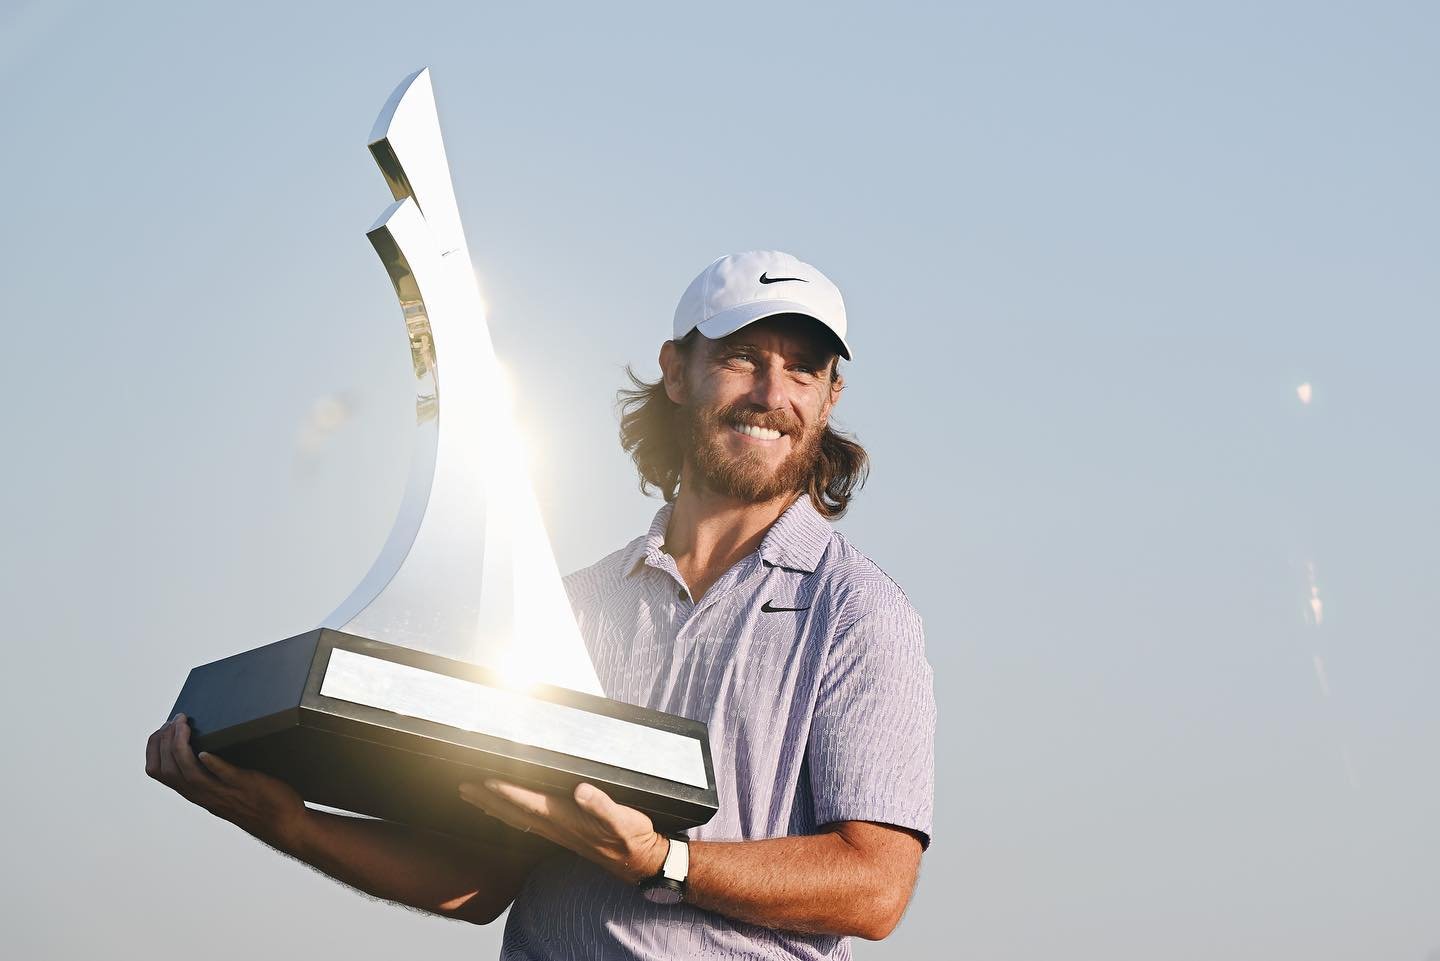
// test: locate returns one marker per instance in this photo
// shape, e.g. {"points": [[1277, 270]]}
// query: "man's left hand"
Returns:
{"points": [[620, 839]]}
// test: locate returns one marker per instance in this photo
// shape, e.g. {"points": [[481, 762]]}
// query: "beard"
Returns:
{"points": [[749, 476]]}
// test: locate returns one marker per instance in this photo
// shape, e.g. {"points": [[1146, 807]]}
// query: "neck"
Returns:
{"points": [[709, 532]]}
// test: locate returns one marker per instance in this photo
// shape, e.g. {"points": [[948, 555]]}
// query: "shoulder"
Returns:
{"points": [[854, 587], [596, 580]]}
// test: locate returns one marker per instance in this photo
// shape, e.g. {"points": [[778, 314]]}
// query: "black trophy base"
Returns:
{"points": [[263, 710]]}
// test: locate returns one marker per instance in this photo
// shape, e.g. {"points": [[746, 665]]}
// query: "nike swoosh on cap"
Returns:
{"points": [[778, 280]]}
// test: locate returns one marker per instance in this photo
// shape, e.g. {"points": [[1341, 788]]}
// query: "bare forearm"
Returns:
{"points": [[854, 877], [387, 860], [820, 884], [413, 867]]}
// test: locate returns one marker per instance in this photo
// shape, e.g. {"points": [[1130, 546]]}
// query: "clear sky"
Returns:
{"points": [[1182, 620]]}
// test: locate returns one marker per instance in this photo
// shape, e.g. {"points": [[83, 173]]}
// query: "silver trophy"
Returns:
{"points": [[457, 656]]}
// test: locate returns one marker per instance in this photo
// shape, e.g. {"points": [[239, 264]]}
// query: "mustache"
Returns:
{"points": [[738, 415]]}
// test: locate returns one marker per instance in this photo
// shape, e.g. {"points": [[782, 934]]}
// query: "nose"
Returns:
{"points": [[767, 389]]}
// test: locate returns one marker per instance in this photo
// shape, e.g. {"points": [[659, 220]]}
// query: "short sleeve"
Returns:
{"points": [[871, 752]]}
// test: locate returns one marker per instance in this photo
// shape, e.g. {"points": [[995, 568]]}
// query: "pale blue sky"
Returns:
{"points": [[1089, 253]]}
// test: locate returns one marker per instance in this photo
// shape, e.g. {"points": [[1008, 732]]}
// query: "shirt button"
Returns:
{"points": [[683, 595]]}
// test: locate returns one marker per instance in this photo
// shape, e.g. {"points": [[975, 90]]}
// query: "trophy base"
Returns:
{"points": [[386, 731]]}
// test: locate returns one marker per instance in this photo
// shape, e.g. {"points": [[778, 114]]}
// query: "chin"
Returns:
{"points": [[731, 464]]}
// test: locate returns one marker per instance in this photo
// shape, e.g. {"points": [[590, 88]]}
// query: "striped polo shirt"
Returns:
{"points": [[808, 664]]}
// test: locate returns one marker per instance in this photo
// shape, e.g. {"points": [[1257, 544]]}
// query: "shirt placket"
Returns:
{"points": [[690, 614]]}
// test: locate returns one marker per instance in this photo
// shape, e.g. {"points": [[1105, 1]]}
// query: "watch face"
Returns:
{"points": [[663, 892]]}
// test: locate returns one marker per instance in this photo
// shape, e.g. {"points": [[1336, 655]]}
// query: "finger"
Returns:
{"points": [[152, 754], [535, 803], [594, 802], [501, 809], [190, 769], [491, 802], [223, 770], [168, 772], [604, 812], [476, 795]]}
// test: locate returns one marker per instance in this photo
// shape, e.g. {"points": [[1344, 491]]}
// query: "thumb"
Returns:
{"points": [[220, 767], [593, 801]]}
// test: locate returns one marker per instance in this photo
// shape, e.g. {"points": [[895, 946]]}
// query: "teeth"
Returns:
{"points": [[762, 433]]}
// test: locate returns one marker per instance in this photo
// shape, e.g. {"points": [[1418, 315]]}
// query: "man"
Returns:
{"points": [[740, 607]]}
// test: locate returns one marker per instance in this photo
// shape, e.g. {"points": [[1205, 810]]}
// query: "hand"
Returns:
{"points": [[262, 805], [620, 839]]}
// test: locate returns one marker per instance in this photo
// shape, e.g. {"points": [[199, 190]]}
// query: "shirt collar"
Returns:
{"points": [[652, 545], [796, 541]]}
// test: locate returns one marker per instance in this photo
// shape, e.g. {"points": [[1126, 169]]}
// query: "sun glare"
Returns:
{"points": [[544, 645]]}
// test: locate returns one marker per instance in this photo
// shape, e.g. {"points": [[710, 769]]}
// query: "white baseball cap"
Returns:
{"points": [[739, 289]]}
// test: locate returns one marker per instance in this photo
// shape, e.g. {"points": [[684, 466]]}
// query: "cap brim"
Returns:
{"points": [[727, 322]]}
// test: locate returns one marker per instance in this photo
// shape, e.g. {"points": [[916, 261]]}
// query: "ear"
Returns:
{"points": [[837, 384], [672, 371]]}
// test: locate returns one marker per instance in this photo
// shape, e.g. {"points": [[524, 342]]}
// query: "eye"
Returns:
{"points": [[805, 370]]}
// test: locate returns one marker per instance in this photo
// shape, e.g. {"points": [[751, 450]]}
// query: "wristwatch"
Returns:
{"points": [[668, 886]]}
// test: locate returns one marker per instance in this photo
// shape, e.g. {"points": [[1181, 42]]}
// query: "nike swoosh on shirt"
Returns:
{"points": [[768, 609]]}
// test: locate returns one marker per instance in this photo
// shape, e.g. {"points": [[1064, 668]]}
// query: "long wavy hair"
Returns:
{"points": [[652, 431]]}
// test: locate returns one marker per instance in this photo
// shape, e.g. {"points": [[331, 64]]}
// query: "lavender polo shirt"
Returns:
{"points": [[820, 714]]}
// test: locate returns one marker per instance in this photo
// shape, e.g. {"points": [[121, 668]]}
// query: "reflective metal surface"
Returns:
{"points": [[423, 694], [467, 570]]}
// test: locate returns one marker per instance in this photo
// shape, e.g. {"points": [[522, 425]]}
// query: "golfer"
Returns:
{"points": [[739, 607]]}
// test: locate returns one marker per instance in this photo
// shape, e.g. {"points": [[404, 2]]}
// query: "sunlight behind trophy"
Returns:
{"points": [[457, 656]]}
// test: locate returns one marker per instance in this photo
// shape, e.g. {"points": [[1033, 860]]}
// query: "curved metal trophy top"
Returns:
{"points": [[467, 571]]}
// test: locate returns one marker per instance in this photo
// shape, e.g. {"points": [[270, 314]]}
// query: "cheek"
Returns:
{"points": [[721, 391], [814, 408]]}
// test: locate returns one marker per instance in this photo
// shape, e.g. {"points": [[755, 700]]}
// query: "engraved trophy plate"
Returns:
{"points": [[457, 655]]}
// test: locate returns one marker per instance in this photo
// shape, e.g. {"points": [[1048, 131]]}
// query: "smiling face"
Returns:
{"points": [[755, 405]]}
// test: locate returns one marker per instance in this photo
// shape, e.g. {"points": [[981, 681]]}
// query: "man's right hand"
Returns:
{"points": [[264, 806], [455, 879]]}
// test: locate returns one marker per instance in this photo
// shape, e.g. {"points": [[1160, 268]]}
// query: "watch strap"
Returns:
{"points": [[677, 861], [667, 886]]}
